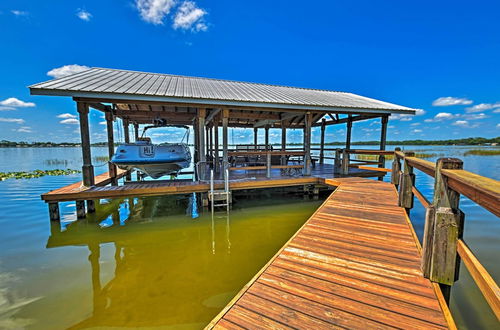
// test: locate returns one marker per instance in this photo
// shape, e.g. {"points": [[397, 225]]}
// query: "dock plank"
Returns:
{"points": [[354, 264]]}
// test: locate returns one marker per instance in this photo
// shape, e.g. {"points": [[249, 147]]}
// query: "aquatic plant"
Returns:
{"points": [[34, 174], [482, 152], [100, 159]]}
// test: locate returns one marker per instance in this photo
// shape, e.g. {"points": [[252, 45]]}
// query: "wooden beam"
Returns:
{"points": [[255, 135], [348, 133], [307, 143], [111, 144], [345, 120], [212, 115], [98, 106], [383, 139], [322, 142], [225, 158], [87, 168], [266, 137]]}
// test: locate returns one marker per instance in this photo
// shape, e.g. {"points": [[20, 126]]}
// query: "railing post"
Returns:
{"points": [[344, 170], [406, 182], [443, 228], [396, 168], [337, 162]]}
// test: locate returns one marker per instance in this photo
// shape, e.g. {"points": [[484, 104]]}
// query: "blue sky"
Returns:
{"points": [[439, 56]]}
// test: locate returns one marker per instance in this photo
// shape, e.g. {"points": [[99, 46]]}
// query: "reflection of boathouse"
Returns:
{"points": [[159, 259]]}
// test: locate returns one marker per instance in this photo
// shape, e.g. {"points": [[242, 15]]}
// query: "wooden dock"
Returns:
{"points": [[240, 179], [354, 264]]}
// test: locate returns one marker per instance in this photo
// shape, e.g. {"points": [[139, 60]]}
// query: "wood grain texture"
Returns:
{"points": [[354, 264]]}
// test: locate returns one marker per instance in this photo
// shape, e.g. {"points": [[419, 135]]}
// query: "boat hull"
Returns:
{"points": [[153, 160]]}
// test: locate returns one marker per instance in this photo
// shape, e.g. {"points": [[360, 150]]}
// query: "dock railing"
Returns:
{"points": [[443, 244]]}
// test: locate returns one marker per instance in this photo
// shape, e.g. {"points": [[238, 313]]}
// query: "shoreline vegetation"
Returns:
{"points": [[35, 174], [465, 142]]}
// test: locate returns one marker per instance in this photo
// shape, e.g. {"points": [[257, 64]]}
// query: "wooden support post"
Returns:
{"points": [[211, 142], [348, 133], [196, 132], [307, 144], [268, 165], [54, 212], [90, 206], [444, 223], [406, 183], [344, 170], [201, 143], [266, 130], [283, 142], [383, 139], [322, 143], [216, 144], [126, 133], [136, 131], [87, 168], [225, 155], [111, 146], [337, 162], [396, 168], [80, 209], [255, 136]]}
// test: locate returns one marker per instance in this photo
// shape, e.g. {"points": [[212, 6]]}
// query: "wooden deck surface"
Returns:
{"points": [[354, 264], [240, 179]]}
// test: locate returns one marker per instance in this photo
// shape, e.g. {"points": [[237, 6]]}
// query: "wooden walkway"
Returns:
{"points": [[354, 264], [240, 179]]}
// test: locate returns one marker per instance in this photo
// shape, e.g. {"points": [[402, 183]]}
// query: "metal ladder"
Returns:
{"points": [[219, 198]]}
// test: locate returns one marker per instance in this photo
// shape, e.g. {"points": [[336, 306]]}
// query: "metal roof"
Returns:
{"points": [[142, 86]]}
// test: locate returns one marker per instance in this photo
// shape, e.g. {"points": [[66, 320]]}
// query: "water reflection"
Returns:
{"points": [[151, 264]]}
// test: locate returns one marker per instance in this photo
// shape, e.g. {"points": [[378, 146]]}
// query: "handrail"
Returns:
{"points": [[483, 279], [484, 191], [452, 181]]}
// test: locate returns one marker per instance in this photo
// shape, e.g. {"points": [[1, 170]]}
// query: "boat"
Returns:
{"points": [[154, 160]]}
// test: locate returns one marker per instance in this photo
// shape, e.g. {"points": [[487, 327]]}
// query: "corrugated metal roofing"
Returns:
{"points": [[143, 86]]}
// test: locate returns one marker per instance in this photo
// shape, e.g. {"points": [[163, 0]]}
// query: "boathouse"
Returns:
{"points": [[207, 104], [356, 262]]}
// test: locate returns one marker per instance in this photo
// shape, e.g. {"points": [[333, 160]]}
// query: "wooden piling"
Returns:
{"points": [[87, 168], [322, 142], [307, 143], [90, 206], [54, 212], [80, 209], [216, 143], [344, 167], [111, 144], [126, 133], [383, 138], [225, 121], [348, 133], [406, 183], [396, 169], [443, 228]]}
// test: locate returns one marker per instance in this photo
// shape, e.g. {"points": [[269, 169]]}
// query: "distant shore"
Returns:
{"points": [[475, 141]]}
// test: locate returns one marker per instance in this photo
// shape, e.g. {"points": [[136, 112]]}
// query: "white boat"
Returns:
{"points": [[155, 160]]}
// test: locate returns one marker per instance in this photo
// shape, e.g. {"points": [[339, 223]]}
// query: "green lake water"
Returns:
{"points": [[146, 262]]}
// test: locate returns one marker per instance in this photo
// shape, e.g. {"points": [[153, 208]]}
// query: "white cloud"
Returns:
{"points": [[12, 120], [66, 115], [189, 16], [71, 121], [482, 107], [461, 123], [11, 103], [154, 11], [67, 70], [475, 116], [102, 123], [417, 131], [498, 125], [19, 12], [24, 129], [447, 101], [415, 124], [443, 115], [83, 15]]}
